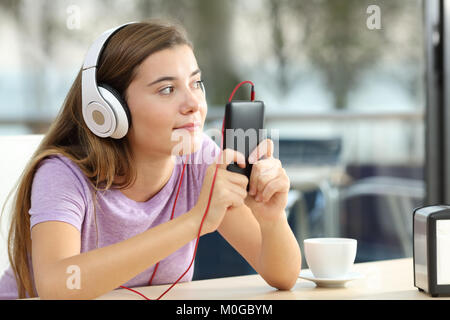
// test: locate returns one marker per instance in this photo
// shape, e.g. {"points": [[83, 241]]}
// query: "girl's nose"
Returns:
{"points": [[192, 101]]}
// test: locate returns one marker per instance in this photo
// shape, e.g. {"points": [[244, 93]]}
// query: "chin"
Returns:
{"points": [[187, 144]]}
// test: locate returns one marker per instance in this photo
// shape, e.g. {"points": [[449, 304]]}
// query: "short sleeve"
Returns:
{"points": [[57, 194], [204, 157]]}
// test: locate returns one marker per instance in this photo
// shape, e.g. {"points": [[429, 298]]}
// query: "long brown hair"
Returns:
{"points": [[100, 159]]}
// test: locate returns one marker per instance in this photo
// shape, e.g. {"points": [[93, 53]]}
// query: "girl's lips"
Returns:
{"points": [[190, 127]]}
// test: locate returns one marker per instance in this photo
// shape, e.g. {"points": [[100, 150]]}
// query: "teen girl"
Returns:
{"points": [[103, 206]]}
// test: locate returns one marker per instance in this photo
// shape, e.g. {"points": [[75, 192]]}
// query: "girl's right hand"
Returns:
{"points": [[230, 190]]}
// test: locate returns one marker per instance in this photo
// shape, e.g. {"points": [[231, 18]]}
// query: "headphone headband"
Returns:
{"points": [[94, 52]]}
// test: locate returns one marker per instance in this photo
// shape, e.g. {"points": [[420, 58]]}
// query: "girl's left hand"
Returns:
{"points": [[268, 185]]}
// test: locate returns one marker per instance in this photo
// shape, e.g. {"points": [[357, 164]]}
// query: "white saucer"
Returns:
{"points": [[329, 282]]}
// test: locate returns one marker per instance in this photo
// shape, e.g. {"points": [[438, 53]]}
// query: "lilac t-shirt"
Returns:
{"points": [[61, 192]]}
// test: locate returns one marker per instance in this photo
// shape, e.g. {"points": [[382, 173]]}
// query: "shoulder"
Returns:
{"points": [[59, 191], [56, 175], [59, 162], [59, 167]]}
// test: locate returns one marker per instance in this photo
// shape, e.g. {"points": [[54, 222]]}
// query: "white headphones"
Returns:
{"points": [[105, 113]]}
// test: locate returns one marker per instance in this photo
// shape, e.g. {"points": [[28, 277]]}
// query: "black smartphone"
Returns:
{"points": [[244, 124]]}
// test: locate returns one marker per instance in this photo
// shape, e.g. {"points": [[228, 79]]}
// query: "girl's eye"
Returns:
{"points": [[198, 84], [167, 90]]}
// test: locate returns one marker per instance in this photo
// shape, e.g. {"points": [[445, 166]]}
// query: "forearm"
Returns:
{"points": [[280, 257], [104, 269]]}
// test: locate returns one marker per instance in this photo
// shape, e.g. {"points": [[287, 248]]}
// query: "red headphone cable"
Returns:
{"points": [[207, 207], [171, 217], [252, 92]]}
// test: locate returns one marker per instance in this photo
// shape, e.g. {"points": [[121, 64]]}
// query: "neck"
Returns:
{"points": [[152, 175]]}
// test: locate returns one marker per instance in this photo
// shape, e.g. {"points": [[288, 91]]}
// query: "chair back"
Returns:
{"points": [[15, 153]]}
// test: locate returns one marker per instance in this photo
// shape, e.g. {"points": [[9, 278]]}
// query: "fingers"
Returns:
{"points": [[236, 200], [228, 156], [238, 195], [276, 185], [262, 173], [237, 179], [264, 148]]}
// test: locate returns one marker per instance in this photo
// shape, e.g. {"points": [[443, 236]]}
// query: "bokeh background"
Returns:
{"points": [[346, 99]]}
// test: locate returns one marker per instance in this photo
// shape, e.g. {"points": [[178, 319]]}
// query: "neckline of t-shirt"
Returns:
{"points": [[161, 194]]}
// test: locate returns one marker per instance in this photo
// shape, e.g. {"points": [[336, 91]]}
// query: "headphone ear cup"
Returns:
{"points": [[120, 109]]}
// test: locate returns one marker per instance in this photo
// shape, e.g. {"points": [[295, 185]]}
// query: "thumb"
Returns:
{"points": [[228, 156]]}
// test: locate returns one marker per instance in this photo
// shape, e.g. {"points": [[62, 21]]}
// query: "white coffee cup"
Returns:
{"points": [[330, 257]]}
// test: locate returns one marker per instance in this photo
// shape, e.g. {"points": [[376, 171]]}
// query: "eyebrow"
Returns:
{"points": [[168, 78]]}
